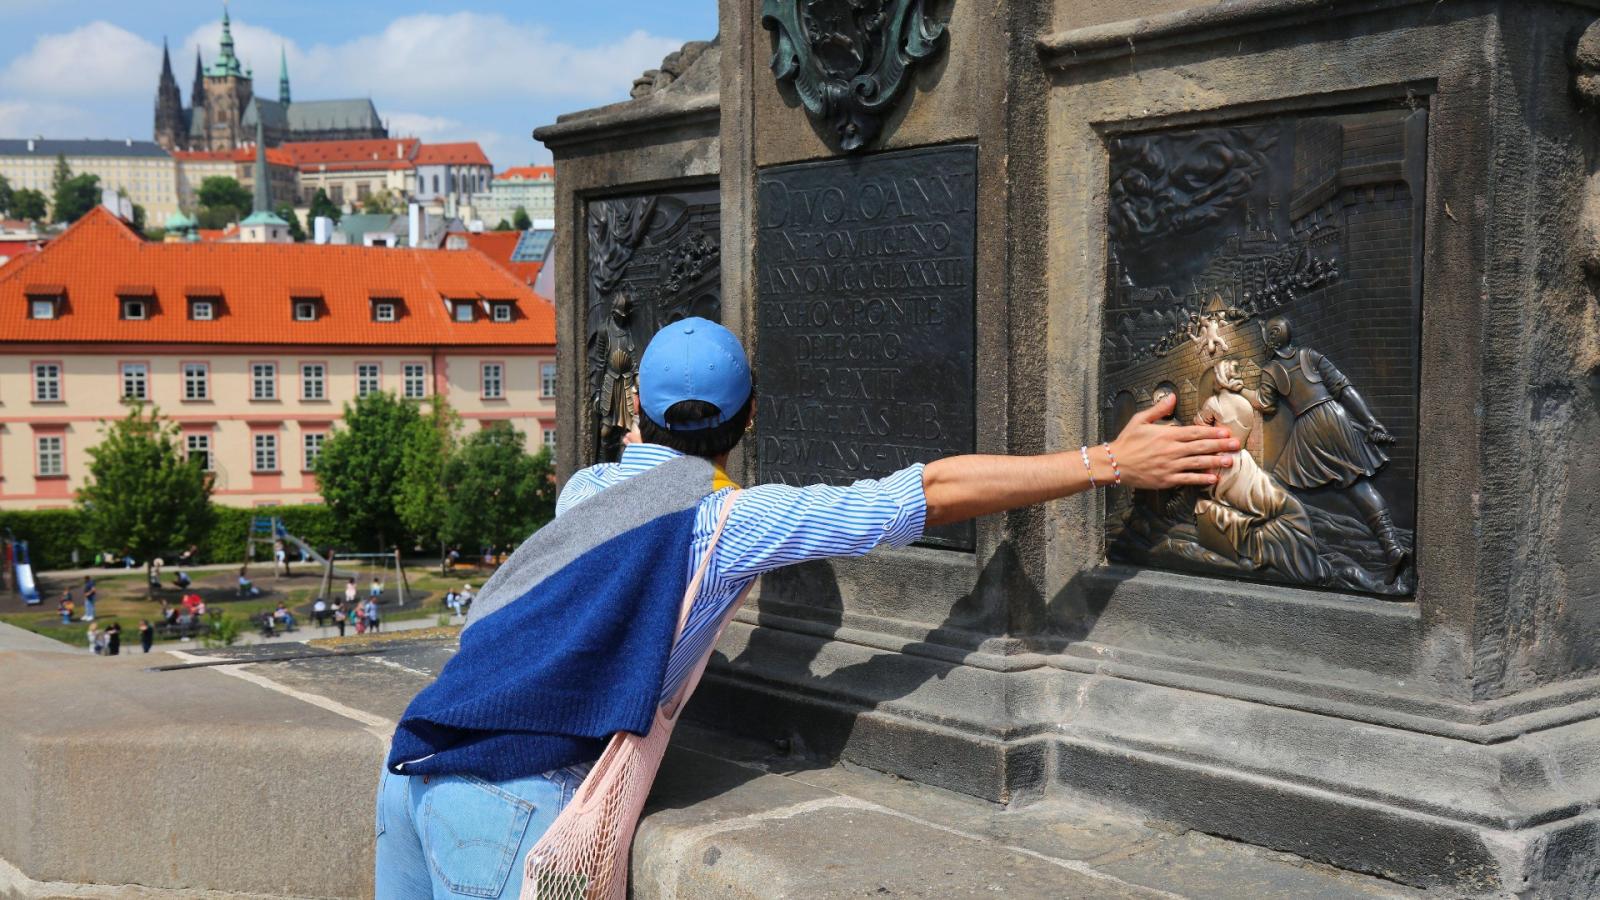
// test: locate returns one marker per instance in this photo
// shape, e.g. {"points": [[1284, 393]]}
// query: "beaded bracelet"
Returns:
{"points": [[1116, 473], [1086, 467]]}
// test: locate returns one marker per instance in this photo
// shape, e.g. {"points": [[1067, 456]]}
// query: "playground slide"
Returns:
{"points": [[312, 554], [25, 584]]}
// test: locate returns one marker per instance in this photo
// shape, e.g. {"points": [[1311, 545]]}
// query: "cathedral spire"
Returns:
{"points": [[166, 64], [283, 76], [197, 94]]}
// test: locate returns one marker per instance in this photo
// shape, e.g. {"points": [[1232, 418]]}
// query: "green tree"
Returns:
{"points": [[286, 212], [421, 499], [143, 496], [139, 215], [322, 206], [520, 220], [62, 173], [75, 197], [503, 226], [29, 205], [381, 202], [222, 201], [361, 466], [498, 492], [6, 195]]}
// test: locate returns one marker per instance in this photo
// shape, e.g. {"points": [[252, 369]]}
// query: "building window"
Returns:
{"points": [[436, 184], [550, 439], [547, 379], [363, 190], [305, 311], [266, 452], [383, 312], [463, 312], [135, 381], [494, 387], [263, 381], [416, 381], [51, 457], [313, 381], [502, 312], [198, 447], [313, 450], [367, 378], [46, 383], [42, 309], [133, 310], [202, 310], [196, 381], [336, 194]]}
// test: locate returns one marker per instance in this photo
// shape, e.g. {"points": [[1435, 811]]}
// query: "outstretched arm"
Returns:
{"points": [[1151, 457]]}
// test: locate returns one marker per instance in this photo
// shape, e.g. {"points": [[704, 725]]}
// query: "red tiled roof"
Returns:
{"points": [[99, 253], [498, 246], [276, 156], [463, 153], [389, 153], [14, 251], [219, 234], [529, 173]]}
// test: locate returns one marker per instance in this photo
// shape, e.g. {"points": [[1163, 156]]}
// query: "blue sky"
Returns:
{"points": [[484, 71]]}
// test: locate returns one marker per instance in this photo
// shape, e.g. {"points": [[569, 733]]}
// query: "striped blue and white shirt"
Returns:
{"points": [[771, 526]]}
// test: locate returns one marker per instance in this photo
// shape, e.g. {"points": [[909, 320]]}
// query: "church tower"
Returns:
{"points": [[227, 93], [170, 130], [197, 93]]}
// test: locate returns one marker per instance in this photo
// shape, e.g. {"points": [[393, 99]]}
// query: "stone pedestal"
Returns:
{"points": [[1444, 734]]}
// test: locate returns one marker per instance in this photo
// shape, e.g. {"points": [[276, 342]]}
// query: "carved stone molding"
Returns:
{"points": [[1586, 67], [848, 60]]}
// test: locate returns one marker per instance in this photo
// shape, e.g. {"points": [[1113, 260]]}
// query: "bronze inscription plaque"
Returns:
{"points": [[653, 259], [865, 317], [1269, 273]]}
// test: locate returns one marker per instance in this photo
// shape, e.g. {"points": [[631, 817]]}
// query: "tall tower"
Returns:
{"points": [[283, 76], [228, 92], [170, 132]]}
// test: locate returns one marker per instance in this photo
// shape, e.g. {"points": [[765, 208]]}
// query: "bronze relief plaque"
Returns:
{"points": [[653, 259], [866, 317], [1269, 273]]}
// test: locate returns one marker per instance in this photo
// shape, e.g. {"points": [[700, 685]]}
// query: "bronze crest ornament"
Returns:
{"points": [[848, 59]]}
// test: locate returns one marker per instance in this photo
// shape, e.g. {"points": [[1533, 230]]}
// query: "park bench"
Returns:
{"points": [[185, 632]]}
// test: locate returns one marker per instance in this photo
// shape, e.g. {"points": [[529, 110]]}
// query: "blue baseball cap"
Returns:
{"points": [[693, 359]]}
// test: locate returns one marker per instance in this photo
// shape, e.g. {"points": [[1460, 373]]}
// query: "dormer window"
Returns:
{"points": [[305, 311], [138, 301], [383, 312], [463, 311], [202, 310], [500, 312], [41, 307], [133, 310]]}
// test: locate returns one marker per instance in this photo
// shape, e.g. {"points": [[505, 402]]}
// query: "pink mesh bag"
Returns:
{"points": [[584, 854]]}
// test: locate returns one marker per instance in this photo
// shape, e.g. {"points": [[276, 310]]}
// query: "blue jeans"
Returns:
{"points": [[460, 836]]}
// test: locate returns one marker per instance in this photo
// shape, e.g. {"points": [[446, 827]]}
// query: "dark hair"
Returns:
{"points": [[707, 443]]}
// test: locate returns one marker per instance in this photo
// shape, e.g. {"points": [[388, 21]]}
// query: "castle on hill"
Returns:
{"points": [[224, 109]]}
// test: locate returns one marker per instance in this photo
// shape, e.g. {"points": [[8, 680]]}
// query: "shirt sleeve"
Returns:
{"points": [[776, 525], [583, 484]]}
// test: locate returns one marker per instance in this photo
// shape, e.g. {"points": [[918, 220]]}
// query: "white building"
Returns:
{"points": [[140, 169]]}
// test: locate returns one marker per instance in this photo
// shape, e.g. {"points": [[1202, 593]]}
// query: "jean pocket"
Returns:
{"points": [[473, 830]]}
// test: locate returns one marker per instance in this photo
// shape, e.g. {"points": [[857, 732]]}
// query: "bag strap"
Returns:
{"points": [[705, 563]]}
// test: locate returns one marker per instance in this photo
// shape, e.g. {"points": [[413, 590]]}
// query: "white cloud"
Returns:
{"points": [[94, 60], [429, 128], [23, 118], [461, 57]]}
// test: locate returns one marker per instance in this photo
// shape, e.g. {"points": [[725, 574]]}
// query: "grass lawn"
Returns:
{"points": [[126, 599]]}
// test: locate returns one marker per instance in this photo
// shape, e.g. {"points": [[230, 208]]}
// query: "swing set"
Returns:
{"points": [[376, 567]]}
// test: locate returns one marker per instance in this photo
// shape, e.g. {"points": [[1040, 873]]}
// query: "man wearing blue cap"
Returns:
{"points": [[573, 640]]}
